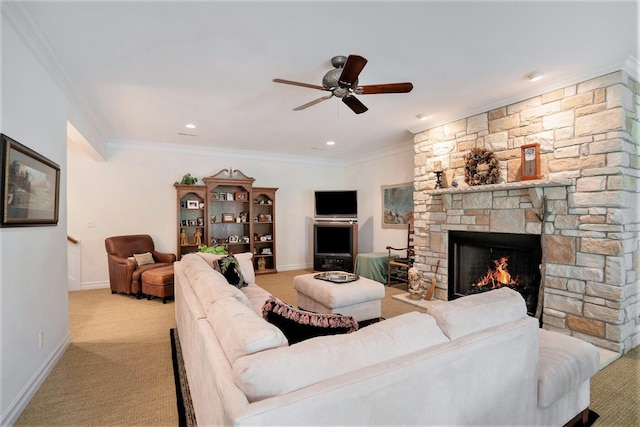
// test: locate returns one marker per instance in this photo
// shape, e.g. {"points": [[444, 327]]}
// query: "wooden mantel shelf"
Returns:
{"points": [[534, 187]]}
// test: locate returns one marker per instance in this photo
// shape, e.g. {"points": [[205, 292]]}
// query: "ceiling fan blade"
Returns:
{"points": [[351, 70], [384, 88], [314, 102], [290, 82], [355, 104]]}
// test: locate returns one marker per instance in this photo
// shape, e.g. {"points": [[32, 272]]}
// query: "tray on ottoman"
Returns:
{"points": [[158, 282]]}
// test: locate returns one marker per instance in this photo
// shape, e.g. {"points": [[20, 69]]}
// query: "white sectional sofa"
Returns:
{"points": [[478, 360]]}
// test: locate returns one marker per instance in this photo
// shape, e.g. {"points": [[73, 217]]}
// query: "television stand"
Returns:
{"points": [[329, 263], [335, 246]]}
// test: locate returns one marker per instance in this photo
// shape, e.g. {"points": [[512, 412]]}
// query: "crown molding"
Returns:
{"points": [[22, 19], [389, 151], [632, 67], [200, 150]]}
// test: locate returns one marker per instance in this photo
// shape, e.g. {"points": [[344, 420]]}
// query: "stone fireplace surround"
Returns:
{"points": [[585, 208]]}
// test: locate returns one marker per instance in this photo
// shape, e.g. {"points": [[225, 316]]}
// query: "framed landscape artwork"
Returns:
{"points": [[30, 186], [397, 205]]}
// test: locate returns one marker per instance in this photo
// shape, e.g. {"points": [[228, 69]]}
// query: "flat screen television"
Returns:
{"points": [[336, 205], [333, 240]]}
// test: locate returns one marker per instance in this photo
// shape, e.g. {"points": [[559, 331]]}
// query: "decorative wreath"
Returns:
{"points": [[480, 156]]}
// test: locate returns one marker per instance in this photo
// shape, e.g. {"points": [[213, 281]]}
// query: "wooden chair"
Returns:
{"points": [[397, 266]]}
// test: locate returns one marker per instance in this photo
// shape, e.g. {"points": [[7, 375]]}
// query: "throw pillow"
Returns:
{"points": [[230, 269], [143, 259], [299, 325], [244, 259]]}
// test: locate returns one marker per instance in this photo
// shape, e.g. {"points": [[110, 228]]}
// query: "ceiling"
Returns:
{"points": [[146, 69]]}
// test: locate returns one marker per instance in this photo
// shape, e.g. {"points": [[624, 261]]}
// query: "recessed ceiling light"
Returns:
{"points": [[421, 117], [331, 143], [536, 75], [190, 126]]}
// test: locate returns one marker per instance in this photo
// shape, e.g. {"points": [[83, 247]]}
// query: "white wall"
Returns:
{"points": [[33, 283], [368, 176]]}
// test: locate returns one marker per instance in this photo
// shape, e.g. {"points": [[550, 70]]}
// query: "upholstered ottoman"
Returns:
{"points": [[158, 282], [361, 299]]}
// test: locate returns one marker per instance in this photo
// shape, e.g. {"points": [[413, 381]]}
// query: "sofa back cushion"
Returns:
{"points": [[474, 313], [209, 285], [244, 260], [286, 369], [240, 330], [257, 297]]}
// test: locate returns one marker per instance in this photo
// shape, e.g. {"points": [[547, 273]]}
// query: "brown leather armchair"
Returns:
{"points": [[124, 273]]}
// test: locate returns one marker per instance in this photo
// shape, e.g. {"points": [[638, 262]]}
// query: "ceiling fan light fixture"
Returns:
{"points": [[536, 75], [190, 126], [331, 143], [342, 82]]}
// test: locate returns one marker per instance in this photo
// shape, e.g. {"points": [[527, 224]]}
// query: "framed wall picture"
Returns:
{"points": [[530, 162], [30, 186], [397, 205]]}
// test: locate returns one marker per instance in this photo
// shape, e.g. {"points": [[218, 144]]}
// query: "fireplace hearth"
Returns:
{"points": [[482, 261]]}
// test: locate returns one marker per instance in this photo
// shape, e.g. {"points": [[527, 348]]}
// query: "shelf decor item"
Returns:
{"points": [[30, 186], [187, 179], [228, 217], [530, 162], [481, 167]]}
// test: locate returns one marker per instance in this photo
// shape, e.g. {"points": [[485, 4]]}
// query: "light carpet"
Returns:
{"points": [[118, 370]]}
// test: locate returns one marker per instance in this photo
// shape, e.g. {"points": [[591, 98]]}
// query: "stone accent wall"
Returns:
{"points": [[585, 207]]}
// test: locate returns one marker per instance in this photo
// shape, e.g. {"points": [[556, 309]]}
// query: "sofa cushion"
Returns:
{"points": [[244, 260], [241, 331], [564, 363], [474, 313], [286, 369], [299, 325], [143, 259], [257, 297], [209, 285]]}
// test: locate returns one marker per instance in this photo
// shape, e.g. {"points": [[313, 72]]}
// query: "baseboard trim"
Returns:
{"points": [[291, 267], [11, 415], [94, 285]]}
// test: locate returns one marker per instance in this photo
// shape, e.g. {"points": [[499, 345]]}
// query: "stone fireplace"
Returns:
{"points": [[584, 210]]}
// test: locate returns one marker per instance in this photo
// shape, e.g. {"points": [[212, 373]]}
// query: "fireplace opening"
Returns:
{"points": [[479, 262]]}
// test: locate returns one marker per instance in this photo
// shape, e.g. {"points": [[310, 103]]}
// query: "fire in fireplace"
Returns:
{"points": [[479, 262]]}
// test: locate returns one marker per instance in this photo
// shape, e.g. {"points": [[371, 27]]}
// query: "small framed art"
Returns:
{"points": [[30, 186], [228, 217], [530, 162]]}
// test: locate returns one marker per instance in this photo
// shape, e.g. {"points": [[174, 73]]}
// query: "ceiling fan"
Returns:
{"points": [[342, 82]]}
